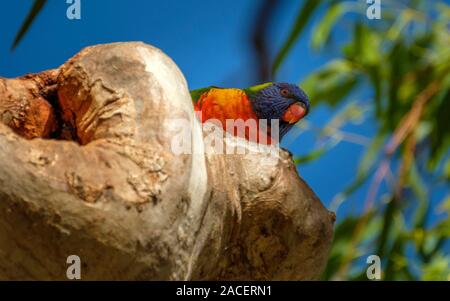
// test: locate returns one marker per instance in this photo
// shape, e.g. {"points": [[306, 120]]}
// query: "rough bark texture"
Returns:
{"points": [[100, 180]]}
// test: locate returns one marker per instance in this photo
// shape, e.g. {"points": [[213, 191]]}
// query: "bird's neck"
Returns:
{"points": [[284, 127]]}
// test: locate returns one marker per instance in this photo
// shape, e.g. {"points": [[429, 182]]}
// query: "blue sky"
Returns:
{"points": [[209, 40]]}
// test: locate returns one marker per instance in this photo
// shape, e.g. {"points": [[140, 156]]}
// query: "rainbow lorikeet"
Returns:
{"points": [[282, 101]]}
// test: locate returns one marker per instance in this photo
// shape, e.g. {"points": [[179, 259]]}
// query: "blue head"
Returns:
{"points": [[285, 102]]}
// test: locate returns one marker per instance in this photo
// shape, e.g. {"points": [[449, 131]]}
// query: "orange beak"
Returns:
{"points": [[294, 113]]}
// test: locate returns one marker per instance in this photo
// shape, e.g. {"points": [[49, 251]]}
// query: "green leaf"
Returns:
{"points": [[420, 190], [437, 269], [323, 29], [353, 112], [447, 170], [365, 48], [406, 16], [366, 165], [440, 136], [370, 156], [443, 228], [314, 155], [332, 83], [342, 237], [388, 220], [445, 205], [35, 10], [374, 73], [305, 13], [396, 262]]}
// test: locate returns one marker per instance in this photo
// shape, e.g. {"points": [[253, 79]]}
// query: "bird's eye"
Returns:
{"points": [[284, 92]]}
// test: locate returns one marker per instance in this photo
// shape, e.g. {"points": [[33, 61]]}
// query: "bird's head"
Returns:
{"points": [[285, 102]]}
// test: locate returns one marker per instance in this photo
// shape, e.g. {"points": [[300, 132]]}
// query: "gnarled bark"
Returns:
{"points": [[97, 177]]}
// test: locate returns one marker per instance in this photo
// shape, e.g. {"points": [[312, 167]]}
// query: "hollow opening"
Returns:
{"points": [[63, 130]]}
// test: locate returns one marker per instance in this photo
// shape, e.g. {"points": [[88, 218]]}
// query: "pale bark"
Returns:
{"points": [[122, 200]]}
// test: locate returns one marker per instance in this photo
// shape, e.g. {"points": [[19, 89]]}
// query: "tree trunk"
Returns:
{"points": [[88, 168]]}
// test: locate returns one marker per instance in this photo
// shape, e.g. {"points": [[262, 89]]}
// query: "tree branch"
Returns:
{"points": [[122, 200]]}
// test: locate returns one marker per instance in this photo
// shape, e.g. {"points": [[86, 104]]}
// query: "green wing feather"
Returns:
{"points": [[255, 89], [195, 94]]}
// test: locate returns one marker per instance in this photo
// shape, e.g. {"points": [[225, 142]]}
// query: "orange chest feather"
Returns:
{"points": [[223, 104]]}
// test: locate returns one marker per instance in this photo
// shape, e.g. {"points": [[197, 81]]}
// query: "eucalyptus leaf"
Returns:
{"points": [[37, 7], [304, 15]]}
